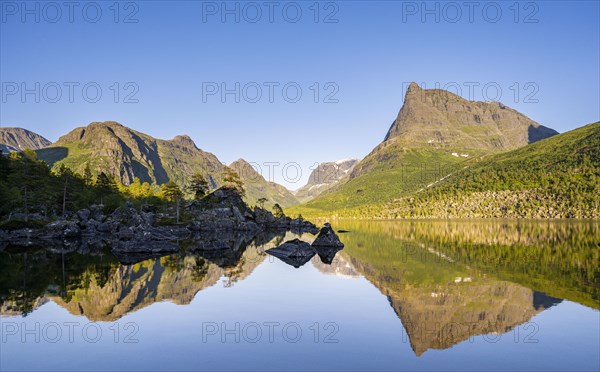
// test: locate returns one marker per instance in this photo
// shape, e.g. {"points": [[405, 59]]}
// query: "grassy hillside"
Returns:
{"points": [[404, 171], [558, 177]]}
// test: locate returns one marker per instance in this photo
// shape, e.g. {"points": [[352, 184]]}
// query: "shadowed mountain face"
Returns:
{"points": [[19, 139], [325, 176], [257, 187], [125, 153]]}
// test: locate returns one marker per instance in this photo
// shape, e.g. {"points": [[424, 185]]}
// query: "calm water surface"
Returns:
{"points": [[459, 295]]}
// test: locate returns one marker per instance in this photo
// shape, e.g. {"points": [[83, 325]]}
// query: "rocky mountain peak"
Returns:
{"points": [[246, 170], [19, 139], [413, 88], [185, 141], [439, 119], [125, 153]]}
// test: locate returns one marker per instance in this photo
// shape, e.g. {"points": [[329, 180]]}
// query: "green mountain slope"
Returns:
{"points": [[436, 133], [257, 187], [125, 153], [558, 177]]}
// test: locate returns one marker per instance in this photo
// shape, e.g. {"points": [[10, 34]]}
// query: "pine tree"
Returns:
{"points": [[231, 178], [172, 193], [66, 178], [278, 211], [105, 185], [198, 186], [87, 175]]}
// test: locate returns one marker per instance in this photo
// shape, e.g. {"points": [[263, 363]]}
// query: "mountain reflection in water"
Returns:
{"points": [[446, 281]]}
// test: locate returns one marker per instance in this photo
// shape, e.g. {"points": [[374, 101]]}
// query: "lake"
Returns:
{"points": [[401, 295]]}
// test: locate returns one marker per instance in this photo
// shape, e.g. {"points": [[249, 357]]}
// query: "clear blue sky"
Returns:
{"points": [[372, 49]]}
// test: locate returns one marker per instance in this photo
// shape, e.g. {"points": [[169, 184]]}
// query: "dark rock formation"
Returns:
{"points": [[293, 252], [299, 225], [327, 238]]}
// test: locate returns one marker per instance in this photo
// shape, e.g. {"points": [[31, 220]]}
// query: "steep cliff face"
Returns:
{"points": [[325, 176], [440, 119], [19, 139], [125, 153]]}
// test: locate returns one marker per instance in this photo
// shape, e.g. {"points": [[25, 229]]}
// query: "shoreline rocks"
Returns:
{"points": [[327, 238], [144, 230]]}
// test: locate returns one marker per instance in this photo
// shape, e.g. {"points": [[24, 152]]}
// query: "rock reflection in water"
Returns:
{"points": [[295, 252], [103, 287]]}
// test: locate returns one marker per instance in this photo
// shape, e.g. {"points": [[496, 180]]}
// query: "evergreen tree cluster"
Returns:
{"points": [[28, 186]]}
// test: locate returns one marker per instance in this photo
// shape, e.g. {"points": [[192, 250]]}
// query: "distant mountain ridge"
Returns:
{"points": [[19, 139], [125, 153], [325, 176], [257, 187]]}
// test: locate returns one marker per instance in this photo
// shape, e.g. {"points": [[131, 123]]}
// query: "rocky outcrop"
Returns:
{"points": [[300, 225], [327, 238], [297, 252], [218, 222]]}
